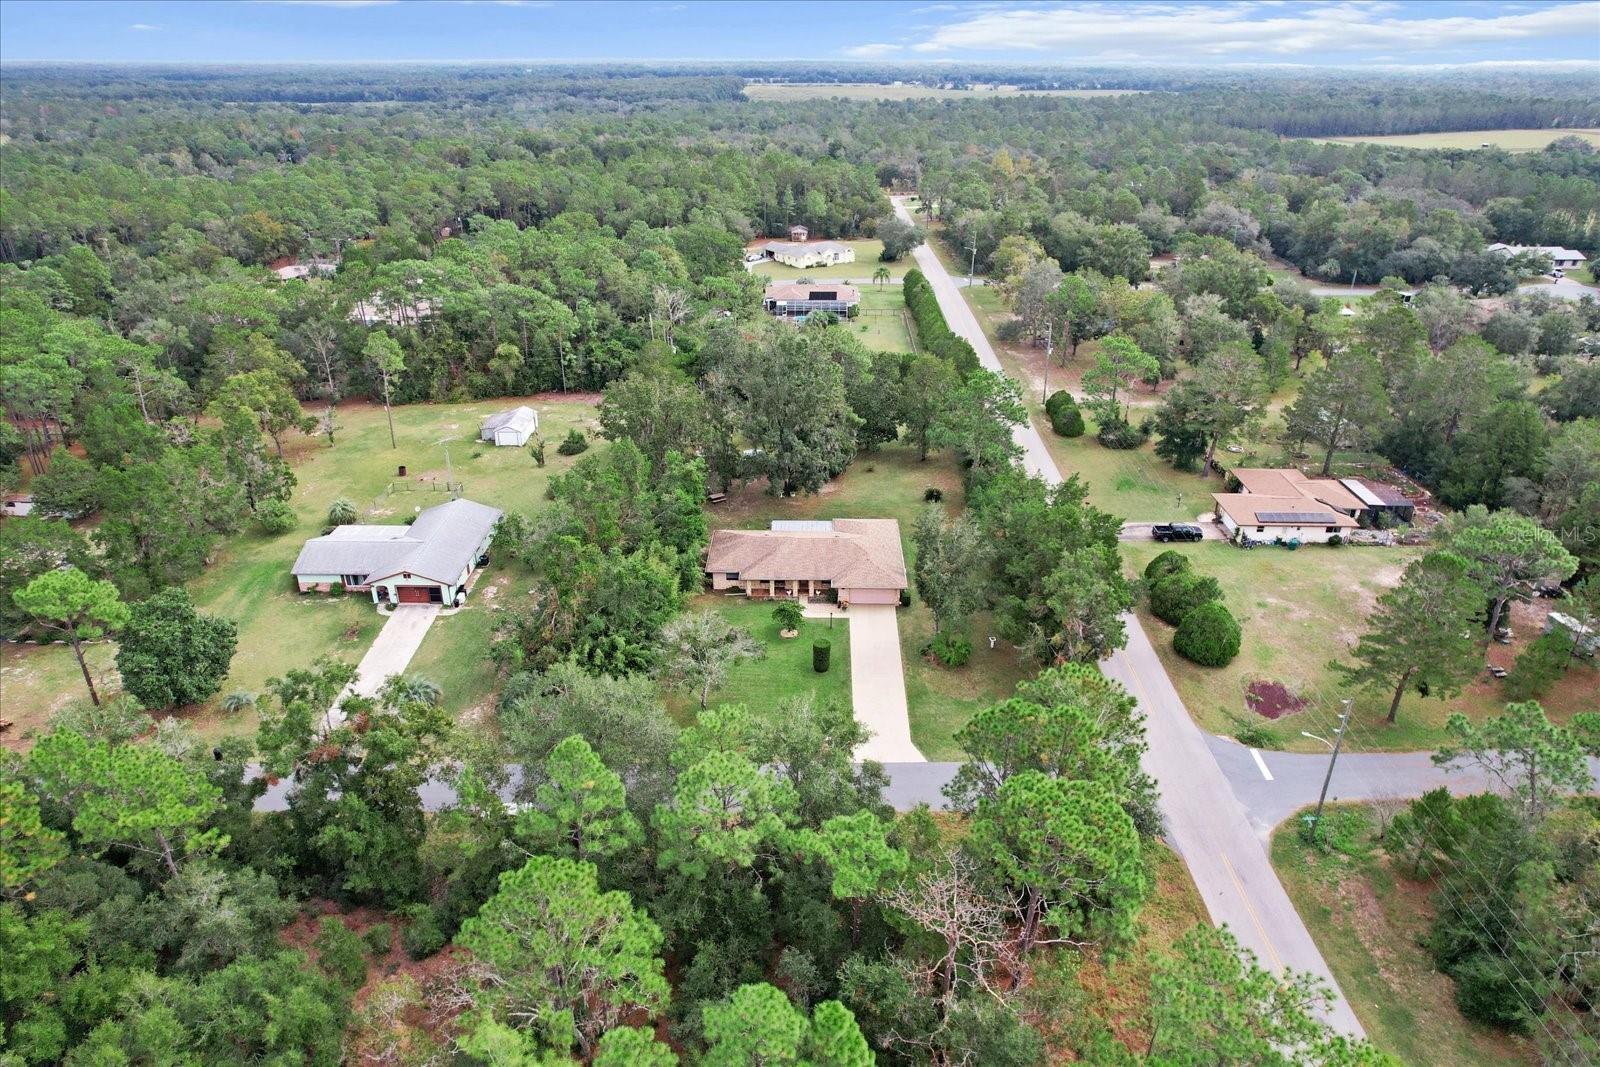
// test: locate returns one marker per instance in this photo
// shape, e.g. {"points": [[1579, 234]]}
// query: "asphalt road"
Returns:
{"points": [[1205, 822]]}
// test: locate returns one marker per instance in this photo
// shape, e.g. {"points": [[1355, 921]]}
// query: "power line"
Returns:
{"points": [[1465, 862]]}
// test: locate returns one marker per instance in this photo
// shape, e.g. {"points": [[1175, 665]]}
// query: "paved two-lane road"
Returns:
{"points": [[1204, 820]]}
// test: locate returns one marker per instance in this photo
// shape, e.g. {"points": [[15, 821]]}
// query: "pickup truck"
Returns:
{"points": [[1177, 531]]}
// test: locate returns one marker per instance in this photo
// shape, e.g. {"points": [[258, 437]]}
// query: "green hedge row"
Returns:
{"points": [[933, 333]]}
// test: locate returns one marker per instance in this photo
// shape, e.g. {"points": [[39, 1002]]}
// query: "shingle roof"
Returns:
{"points": [[1289, 482], [852, 553], [520, 418], [786, 291], [1257, 509], [438, 545]]}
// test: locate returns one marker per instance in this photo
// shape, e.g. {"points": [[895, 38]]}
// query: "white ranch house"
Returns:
{"points": [[430, 561]]}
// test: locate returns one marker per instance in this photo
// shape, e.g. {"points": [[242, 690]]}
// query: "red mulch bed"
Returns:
{"points": [[1271, 700]]}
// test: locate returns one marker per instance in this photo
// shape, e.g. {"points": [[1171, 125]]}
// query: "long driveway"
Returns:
{"points": [[390, 654], [878, 684], [1205, 822]]}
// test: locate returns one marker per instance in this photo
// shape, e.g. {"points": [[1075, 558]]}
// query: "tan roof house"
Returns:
{"points": [[788, 299], [859, 559], [1289, 482]]}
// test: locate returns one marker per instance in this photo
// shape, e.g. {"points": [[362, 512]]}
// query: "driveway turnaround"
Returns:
{"points": [[389, 655], [878, 684], [1204, 820]]}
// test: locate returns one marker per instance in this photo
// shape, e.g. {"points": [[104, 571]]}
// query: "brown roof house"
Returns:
{"points": [[859, 559], [795, 299]]}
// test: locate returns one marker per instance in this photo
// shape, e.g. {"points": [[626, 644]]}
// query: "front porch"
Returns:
{"points": [[815, 590]]}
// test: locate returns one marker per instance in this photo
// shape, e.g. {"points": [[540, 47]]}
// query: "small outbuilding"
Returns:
{"points": [[798, 233], [510, 429]]}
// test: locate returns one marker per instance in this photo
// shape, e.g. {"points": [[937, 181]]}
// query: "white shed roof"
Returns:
{"points": [[519, 418]]}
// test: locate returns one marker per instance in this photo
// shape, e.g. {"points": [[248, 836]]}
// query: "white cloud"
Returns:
{"points": [[871, 51], [1196, 32], [143, 27]]}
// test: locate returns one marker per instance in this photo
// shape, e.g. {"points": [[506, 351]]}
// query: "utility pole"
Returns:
{"points": [[1049, 352], [1333, 757], [449, 469], [972, 266]]}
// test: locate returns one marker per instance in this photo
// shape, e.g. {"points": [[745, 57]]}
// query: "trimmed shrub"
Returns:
{"points": [[379, 939], [1171, 561], [1065, 418], [573, 443], [275, 517], [1208, 635], [950, 649], [821, 654], [422, 937], [340, 953], [905, 598], [1174, 596], [933, 332], [932, 495]]}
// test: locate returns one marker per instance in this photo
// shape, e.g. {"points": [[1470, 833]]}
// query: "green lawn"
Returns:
{"points": [[786, 672], [890, 484], [1301, 609], [1510, 140], [882, 321], [1365, 917], [865, 263], [249, 579]]}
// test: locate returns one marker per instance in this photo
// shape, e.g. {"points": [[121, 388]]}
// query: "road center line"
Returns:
{"points": [[1266, 942], [1262, 764]]}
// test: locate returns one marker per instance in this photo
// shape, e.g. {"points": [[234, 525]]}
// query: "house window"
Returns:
{"points": [[353, 579], [1331, 529], [732, 576], [1261, 529]]}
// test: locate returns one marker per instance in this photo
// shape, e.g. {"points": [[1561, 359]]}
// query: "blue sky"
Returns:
{"points": [[1231, 32]]}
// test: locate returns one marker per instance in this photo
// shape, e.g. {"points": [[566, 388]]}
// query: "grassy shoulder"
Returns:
{"points": [[249, 579], [1366, 918], [1301, 610], [1118, 989], [890, 483]]}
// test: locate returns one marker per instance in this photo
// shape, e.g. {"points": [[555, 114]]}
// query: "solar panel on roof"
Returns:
{"points": [[1299, 518]]}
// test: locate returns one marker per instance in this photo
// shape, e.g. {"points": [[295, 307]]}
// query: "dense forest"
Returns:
{"points": [[603, 881]]}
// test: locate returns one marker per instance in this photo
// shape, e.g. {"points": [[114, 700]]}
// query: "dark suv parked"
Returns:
{"points": [[1177, 531]]}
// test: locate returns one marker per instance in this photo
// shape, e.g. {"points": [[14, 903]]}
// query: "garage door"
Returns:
{"points": [[420, 594]]}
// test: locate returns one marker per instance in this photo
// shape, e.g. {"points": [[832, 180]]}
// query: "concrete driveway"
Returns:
{"points": [[389, 655], [878, 684], [1140, 531]]}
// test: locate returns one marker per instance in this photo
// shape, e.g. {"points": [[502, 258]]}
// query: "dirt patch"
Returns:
{"points": [[1271, 700]]}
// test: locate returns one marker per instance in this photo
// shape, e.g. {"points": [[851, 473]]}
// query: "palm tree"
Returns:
{"points": [[880, 276]]}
